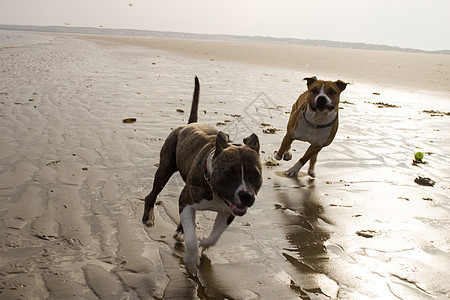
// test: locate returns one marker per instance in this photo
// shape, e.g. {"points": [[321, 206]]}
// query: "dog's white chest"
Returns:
{"points": [[216, 204], [315, 136]]}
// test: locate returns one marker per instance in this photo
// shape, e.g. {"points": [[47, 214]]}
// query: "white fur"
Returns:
{"points": [[187, 216], [191, 256], [243, 186], [209, 164], [322, 93], [316, 136]]}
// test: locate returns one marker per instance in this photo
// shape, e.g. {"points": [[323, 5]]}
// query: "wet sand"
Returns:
{"points": [[72, 175]]}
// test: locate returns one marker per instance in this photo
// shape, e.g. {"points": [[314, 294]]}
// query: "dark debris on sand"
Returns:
{"points": [[424, 181]]}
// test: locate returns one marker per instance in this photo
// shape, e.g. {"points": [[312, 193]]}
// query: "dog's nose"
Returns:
{"points": [[321, 103], [246, 198]]}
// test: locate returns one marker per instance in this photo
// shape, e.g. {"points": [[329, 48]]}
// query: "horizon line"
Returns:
{"points": [[218, 36]]}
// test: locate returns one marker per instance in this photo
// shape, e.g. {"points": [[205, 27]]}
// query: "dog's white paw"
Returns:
{"points": [[192, 261], [149, 219], [312, 173], [293, 172], [287, 156], [276, 156]]}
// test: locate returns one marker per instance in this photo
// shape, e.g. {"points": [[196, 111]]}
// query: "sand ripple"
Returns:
{"points": [[72, 176]]}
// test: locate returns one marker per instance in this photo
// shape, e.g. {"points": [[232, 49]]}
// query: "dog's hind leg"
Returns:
{"points": [[222, 221], [312, 163], [167, 166], [162, 175]]}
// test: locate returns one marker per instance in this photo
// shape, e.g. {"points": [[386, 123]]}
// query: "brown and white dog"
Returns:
{"points": [[313, 119], [218, 176]]}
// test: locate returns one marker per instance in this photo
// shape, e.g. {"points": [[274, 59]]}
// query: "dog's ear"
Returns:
{"points": [[252, 142], [341, 85], [310, 80], [221, 142]]}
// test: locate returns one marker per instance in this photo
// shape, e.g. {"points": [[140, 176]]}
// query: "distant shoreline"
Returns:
{"points": [[410, 71], [215, 37]]}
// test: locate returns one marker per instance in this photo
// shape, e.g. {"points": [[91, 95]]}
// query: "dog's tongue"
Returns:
{"points": [[238, 211]]}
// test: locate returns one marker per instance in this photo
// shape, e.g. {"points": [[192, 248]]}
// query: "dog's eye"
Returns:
{"points": [[256, 175], [315, 91], [332, 92]]}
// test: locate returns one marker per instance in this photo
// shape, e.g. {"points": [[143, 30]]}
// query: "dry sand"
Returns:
{"points": [[411, 71], [72, 174]]}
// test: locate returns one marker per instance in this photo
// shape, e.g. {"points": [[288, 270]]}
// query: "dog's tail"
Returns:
{"points": [[194, 108]]}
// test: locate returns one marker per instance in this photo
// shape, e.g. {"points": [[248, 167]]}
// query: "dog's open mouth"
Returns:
{"points": [[324, 107], [236, 210]]}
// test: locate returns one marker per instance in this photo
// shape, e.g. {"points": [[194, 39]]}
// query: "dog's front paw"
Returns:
{"points": [[287, 155], [312, 173], [148, 218], [276, 156], [192, 261], [293, 172]]}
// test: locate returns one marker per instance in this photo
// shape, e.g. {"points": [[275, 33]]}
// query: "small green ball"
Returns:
{"points": [[418, 156]]}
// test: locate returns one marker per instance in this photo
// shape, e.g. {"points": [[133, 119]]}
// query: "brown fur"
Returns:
{"points": [[306, 102]]}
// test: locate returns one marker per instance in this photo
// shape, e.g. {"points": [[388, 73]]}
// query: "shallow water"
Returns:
{"points": [[72, 179]]}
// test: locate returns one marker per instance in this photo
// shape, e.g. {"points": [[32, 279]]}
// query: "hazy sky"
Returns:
{"points": [[422, 24]]}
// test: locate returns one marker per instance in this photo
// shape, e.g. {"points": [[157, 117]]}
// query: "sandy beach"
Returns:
{"points": [[73, 175]]}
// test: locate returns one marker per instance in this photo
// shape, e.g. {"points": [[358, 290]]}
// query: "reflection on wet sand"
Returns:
{"points": [[303, 215]]}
